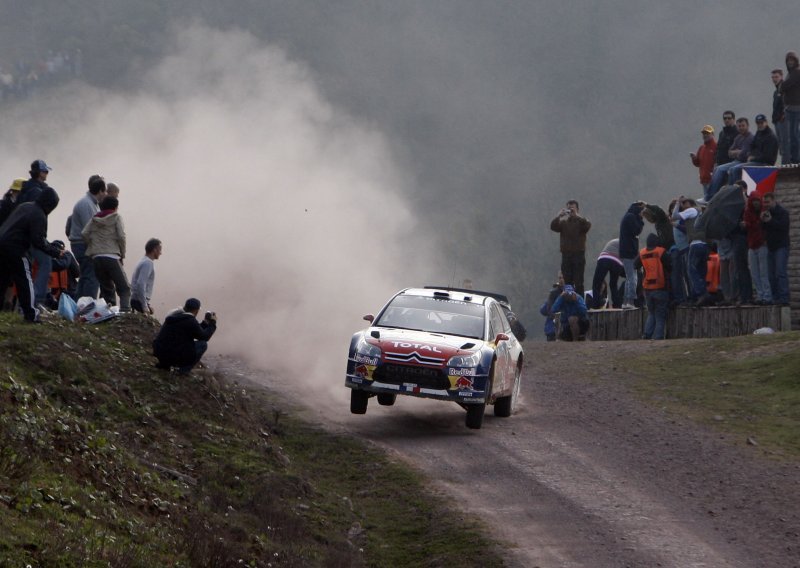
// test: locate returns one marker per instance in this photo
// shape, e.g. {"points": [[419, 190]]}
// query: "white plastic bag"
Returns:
{"points": [[95, 311]]}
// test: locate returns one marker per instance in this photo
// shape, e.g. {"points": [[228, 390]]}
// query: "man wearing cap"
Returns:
{"points": [[26, 229], [763, 149], [738, 155], [790, 89], [182, 340], [574, 315], [705, 156], [83, 211], [9, 201], [30, 192]]}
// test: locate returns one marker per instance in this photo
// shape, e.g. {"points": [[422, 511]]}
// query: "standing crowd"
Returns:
{"points": [[728, 247], [93, 266]]}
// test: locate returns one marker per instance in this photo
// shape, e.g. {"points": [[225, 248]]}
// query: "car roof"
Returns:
{"points": [[469, 296], [502, 298]]}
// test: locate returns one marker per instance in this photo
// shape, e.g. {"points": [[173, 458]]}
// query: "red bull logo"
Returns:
{"points": [[464, 383]]}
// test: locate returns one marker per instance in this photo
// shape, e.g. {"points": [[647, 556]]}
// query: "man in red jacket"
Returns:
{"points": [[704, 158]]}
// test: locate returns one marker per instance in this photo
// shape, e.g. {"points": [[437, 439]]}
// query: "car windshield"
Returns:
{"points": [[435, 315]]}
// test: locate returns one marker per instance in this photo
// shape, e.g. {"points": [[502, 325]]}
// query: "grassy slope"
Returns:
{"points": [[104, 460]]}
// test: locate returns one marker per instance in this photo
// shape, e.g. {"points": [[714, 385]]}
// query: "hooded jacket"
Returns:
{"points": [[752, 221], [104, 234], [174, 344], [629, 229], [26, 227], [764, 148], [791, 84]]}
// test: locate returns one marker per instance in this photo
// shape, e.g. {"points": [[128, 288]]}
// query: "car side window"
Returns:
{"points": [[503, 319], [495, 322]]}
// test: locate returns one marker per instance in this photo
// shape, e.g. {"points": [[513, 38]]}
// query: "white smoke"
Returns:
{"points": [[279, 211]]}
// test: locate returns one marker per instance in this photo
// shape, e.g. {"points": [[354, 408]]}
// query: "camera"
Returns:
{"points": [[210, 316]]}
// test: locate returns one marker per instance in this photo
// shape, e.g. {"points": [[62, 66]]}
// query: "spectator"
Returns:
{"points": [[713, 288], [9, 201], [629, 229], [697, 265], [574, 315], [679, 253], [572, 229], [24, 229], [83, 211], [705, 156], [112, 190], [608, 264], [779, 117], [31, 190], [775, 221], [546, 309], [104, 235], [758, 252], [658, 217], [182, 340], [738, 155], [790, 90], [144, 277], [763, 149], [654, 260], [726, 138]]}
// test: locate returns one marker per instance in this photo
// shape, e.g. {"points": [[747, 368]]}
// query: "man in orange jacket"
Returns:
{"points": [[655, 262]]}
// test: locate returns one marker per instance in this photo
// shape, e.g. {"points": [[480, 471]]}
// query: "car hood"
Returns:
{"points": [[403, 345]]}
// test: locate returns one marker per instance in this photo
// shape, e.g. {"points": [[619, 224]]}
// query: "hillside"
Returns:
{"points": [[106, 461]]}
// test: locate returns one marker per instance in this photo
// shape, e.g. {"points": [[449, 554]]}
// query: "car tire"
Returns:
{"points": [[505, 406], [358, 401], [475, 414], [386, 398]]}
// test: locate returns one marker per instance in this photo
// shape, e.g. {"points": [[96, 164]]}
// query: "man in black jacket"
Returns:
{"points": [[726, 137], [182, 340], [763, 149], [779, 122], [31, 190], [790, 91], [24, 229], [775, 223]]}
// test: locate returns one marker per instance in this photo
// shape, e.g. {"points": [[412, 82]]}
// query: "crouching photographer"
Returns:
{"points": [[182, 340]]}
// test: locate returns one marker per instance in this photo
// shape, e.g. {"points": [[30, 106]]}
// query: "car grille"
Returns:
{"points": [[421, 376]]}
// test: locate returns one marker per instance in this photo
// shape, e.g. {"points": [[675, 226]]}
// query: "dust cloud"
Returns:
{"points": [[281, 212]]}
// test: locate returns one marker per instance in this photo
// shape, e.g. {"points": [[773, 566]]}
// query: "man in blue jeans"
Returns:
{"points": [[790, 89], [775, 222], [763, 149], [86, 208]]}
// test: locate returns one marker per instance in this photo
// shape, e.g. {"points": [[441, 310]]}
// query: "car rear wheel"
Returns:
{"points": [[386, 398], [505, 406], [358, 401]]}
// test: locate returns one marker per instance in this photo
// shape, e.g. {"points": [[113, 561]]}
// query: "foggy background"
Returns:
{"points": [[303, 160]]}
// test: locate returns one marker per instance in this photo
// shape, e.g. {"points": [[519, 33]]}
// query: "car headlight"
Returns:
{"points": [[470, 360], [365, 349]]}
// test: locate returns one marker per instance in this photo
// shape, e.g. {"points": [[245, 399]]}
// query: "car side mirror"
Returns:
{"points": [[501, 337], [369, 317]]}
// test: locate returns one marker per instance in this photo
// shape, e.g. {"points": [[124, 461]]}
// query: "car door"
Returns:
{"points": [[502, 349]]}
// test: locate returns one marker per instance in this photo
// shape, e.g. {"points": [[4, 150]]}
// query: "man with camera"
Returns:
{"points": [[574, 315], [182, 340], [572, 229]]}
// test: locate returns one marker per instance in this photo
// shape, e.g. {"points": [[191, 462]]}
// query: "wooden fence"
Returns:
{"points": [[610, 325]]}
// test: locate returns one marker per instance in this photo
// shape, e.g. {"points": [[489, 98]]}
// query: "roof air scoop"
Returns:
{"points": [[467, 346], [439, 294]]}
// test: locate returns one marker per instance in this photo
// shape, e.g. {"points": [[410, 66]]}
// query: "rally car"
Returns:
{"points": [[440, 343]]}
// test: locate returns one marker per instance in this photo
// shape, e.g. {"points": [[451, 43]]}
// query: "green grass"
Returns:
{"points": [[747, 386], [106, 461]]}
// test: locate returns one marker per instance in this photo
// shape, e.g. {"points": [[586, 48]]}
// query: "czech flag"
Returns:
{"points": [[759, 179]]}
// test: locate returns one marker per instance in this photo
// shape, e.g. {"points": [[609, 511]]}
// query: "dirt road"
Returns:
{"points": [[585, 476]]}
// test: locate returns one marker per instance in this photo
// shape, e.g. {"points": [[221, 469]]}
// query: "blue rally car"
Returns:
{"points": [[442, 343]]}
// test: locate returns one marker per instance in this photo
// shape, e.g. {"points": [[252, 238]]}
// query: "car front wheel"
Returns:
{"points": [[358, 401]]}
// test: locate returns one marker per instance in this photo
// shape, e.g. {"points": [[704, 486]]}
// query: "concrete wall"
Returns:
{"points": [[787, 190]]}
